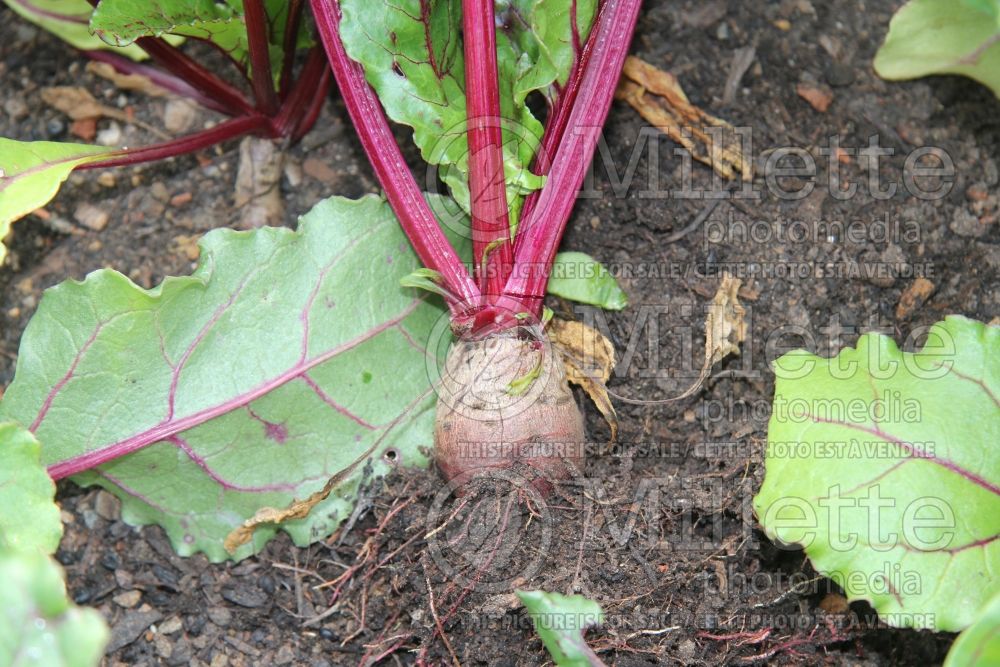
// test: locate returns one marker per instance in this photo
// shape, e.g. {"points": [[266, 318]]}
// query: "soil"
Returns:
{"points": [[686, 580]]}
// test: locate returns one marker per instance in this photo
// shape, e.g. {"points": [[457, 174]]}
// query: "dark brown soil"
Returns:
{"points": [[687, 579]]}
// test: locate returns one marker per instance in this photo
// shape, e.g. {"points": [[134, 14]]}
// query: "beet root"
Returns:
{"points": [[503, 402]]}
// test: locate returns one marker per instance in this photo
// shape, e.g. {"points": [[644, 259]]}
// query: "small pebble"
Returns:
{"points": [[111, 135], [55, 128], [284, 656], [181, 199], [839, 75], [91, 217], [319, 170], [111, 561], [179, 116], [220, 616], [16, 108], [171, 625], [107, 506], [106, 179], [159, 191], [293, 173], [128, 599], [164, 647]]}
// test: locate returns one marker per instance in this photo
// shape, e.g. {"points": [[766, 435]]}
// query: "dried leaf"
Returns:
{"points": [[298, 509], [725, 329], [136, 82], [658, 98], [78, 103], [588, 358], [913, 297]]}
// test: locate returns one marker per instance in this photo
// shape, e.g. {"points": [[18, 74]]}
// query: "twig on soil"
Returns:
{"points": [[695, 223], [434, 615], [398, 639], [743, 637], [434, 532], [574, 585]]}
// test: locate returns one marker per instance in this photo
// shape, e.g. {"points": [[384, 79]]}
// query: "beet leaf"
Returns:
{"points": [[883, 464], [415, 63], [31, 173], [248, 384], [69, 20], [122, 22], [40, 626]]}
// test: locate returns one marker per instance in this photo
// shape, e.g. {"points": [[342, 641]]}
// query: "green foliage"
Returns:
{"points": [[245, 385], [29, 520], [38, 625], [414, 61], [979, 645], [121, 22], [536, 42], [884, 466], [31, 173], [579, 277], [943, 37], [560, 621], [69, 21]]}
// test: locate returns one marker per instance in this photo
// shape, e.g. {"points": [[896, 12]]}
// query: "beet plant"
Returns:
{"points": [[502, 383], [256, 82], [293, 368]]}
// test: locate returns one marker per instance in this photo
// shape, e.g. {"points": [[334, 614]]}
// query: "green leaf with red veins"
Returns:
{"points": [[121, 22], [282, 360], [31, 173], [412, 55], [884, 465], [69, 21]]}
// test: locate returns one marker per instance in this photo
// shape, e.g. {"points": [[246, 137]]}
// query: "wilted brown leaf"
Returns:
{"points": [[725, 329], [297, 510], [78, 103], [658, 98], [136, 82], [588, 358]]}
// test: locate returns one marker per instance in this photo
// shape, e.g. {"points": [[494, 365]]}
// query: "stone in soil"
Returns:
{"points": [[91, 216], [132, 624]]}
